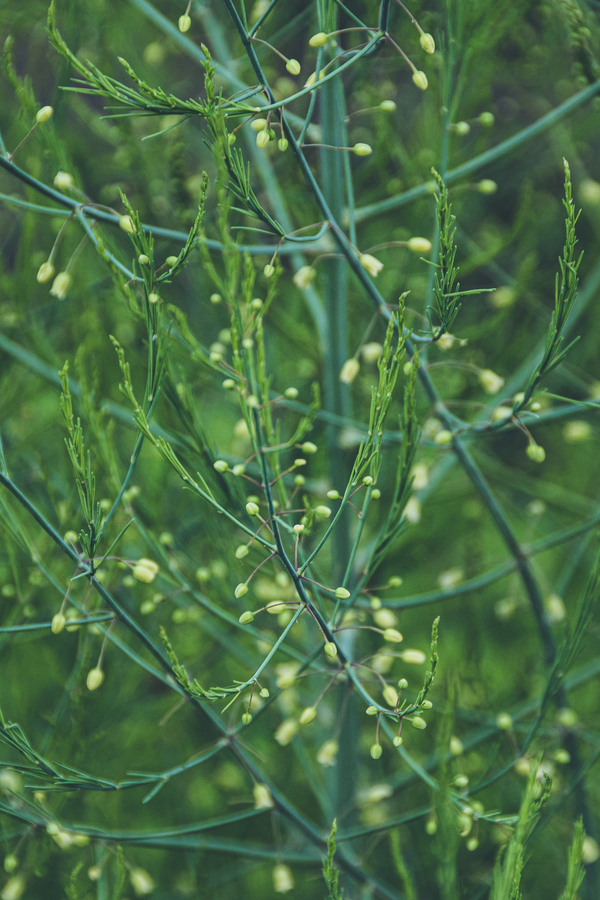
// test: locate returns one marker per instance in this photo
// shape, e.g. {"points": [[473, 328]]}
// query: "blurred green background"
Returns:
{"points": [[518, 61]]}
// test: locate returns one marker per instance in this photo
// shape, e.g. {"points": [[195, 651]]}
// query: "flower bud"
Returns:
{"points": [[456, 746], [376, 751], [143, 259], [264, 693], [387, 106], [10, 863], [283, 880], [64, 181], [240, 590], [141, 882], [327, 753], [94, 873], [14, 887], [419, 245], [330, 649], [221, 466], [246, 718], [283, 144], [333, 495], [461, 781], [171, 261], [402, 684], [309, 448], [487, 119], [413, 657], [304, 277], [215, 299], [94, 679], [268, 270], [60, 285], [252, 508], [145, 570], [372, 710], [418, 722], [319, 39], [45, 272], [420, 79], [342, 593], [490, 382], [58, 623], [246, 618], [392, 636], [426, 704], [308, 714], [362, 149], [371, 264], [397, 741], [443, 437], [43, 114], [349, 371], [290, 393], [322, 512], [126, 224], [427, 43], [262, 797], [487, 186], [293, 66], [262, 139], [241, 551], [184, 24], [462, 128], [535, 452], [390, 695], [286, 731]]}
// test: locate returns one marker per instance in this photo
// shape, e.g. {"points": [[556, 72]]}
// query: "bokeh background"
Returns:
{"points": [[499, 68]]}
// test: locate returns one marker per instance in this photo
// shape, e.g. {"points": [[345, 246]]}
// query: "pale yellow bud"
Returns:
{"points": [[293, 66], [555, 608], [487, 119], [43, 114], [535, 452], [220, 465], [419, 245], [577, 431], [413, 657], [145, 570], [308, 714], [418, 722], [384, 618], [319, 39], [349, 371], [591, 850], [14, 887], [184, 24], [390, 695], [387, 106], [60, 285], [241, 551], [304, 277], [450, 578], [462, 128], [141, 882], [94, 679], [443, 437], [504, 721], [286, 732], [262, 797], [362, 149], [283, 880], [45, 272], [376, 751], [392, 635], [330, 649], [64, 181], [487, 186], [327, 753], [322, 512], [94, 873], [240, 590], [371, 352], [262, 139], [153, 297], [456, 746], [427, 43], [342, 593], [283, 144], [290, 393], [268, 270], [412, 510], [58, 623], [252, 508], [246, 618], [420, 79], [490, 382], [371, 264]]}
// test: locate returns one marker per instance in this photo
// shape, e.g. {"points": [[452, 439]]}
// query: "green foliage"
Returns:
{"points": [[302, 460]]}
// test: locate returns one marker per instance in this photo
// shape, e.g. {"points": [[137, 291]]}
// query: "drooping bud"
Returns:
{"points": [[184, 24], [371, 264], [246, 618], [308, 714], [330, 649], [126, 224], [64, 181], [293, 66], [240, 590], [420, 79], [45, 272], [58, 623], [262, 139], [268, 270], [427, 43], [94, 679], [252, 508], [60, 285], [376, 751], [349, 371]]}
